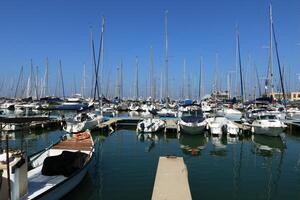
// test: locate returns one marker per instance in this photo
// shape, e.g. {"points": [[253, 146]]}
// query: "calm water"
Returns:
{"points": [[125, 164]]}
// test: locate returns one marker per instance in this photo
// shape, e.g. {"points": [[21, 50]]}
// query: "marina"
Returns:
{"points": [[152, 100], [123, 163]]}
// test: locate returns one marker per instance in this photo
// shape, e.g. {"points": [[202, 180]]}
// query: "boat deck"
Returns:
{"points": [[75, 144], [38, 183]]}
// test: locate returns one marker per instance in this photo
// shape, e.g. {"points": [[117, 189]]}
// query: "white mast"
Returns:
{"points": [[184, 79], [46, 78], [161, 84], [166, 56], [83, 85], [137, 78], [152, 74], [269, 85]]}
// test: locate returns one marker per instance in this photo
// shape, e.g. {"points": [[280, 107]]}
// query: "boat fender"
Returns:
{"points": [[81, 136], [195, 152]]}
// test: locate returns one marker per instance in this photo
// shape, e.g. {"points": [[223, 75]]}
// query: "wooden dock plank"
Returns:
{"points": [[171, 181], [243, 127], [74, 144]]}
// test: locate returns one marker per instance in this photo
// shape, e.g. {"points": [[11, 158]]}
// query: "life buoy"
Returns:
{"points": [[195, 152], [82, 136]]}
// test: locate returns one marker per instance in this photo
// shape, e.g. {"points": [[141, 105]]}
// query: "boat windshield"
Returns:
{"points": [[196, 113], [268, 117]]}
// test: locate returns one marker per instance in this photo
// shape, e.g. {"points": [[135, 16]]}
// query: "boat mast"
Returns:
{"points": [[46, 79], [83, 86], [258, 82], [184, 79], [269, 83], [137, 78], [36, 82], [200, 80], [62, 79], [166, 56], [19, 80], [117, 94], [121, 81], [161, 85], [240, 65], [101, 56], [279, 66], [151, 74]]}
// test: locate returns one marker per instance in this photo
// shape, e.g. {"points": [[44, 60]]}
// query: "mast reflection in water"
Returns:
{"points": [[125, 164]]}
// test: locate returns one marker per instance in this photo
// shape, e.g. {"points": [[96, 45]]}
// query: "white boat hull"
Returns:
{"points": [[270, 131], [150, 125], [65, 187], [193, 129]]}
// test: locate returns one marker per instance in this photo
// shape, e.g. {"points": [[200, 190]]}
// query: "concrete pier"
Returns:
{"points": [[171, 181]]}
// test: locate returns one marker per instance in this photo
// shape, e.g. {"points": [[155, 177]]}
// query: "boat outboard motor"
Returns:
{"points": [[153, 111], [142, 126]]}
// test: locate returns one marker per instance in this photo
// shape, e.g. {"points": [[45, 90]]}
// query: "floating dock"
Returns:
{"points": [[171, 181], [112, 123], [243, 127], [292, 124]]}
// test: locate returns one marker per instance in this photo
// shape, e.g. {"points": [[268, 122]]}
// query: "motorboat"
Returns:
{"points": [[133, 107], [52, 172], [293, 114], [230, 113], [267, 124], [216, 125], [151, 125], [82, 122], [192, 123], [167, 112], [232, 129]]}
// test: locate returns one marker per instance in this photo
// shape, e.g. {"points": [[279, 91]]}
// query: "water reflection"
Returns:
{"points": [[219, 146], [232, 140], [133, 114], [266, 145], [192, 144], [150, 139]]}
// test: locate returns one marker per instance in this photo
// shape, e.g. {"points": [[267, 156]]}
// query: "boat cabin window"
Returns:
{"points": [[268, 117]]}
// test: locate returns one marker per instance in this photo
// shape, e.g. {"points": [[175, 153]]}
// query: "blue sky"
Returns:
{"points": [[60, 29]]}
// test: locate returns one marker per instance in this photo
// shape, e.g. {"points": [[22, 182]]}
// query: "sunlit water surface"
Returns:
{"points": [[125, 163]]}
